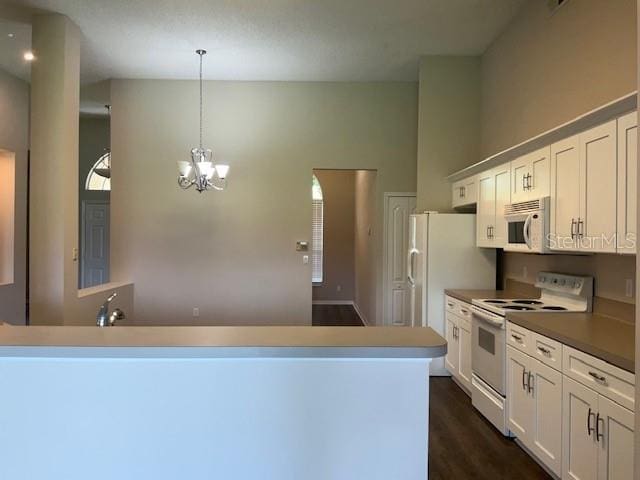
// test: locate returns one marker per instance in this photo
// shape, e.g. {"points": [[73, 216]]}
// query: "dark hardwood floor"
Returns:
{"points": [[463, 445], [335, 316]]}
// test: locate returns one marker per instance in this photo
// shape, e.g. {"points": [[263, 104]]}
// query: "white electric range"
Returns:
{"points": [[559, 293]]}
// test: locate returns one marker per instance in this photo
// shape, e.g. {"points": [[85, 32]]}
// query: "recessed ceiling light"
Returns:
{"points": [[29, 56], [11, 35]]}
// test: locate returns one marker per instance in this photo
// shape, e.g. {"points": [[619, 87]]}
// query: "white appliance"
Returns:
{"points": [[527, 226], [443, 254], [559, 293]]}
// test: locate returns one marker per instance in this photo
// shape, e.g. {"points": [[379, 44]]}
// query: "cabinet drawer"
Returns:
{"points": [[464, 314], [548, 351], [610, 381], [451, 305], [519, 338]]}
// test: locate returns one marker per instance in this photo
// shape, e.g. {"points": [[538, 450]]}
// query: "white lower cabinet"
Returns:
{"points": [[534, 407], [458, 334], [598, 435], [573, 411]]}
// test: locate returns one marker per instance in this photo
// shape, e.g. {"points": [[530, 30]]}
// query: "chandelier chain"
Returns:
{"points": [[201, 114]]}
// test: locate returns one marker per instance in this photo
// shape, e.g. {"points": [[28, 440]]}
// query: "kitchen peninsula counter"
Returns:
{"points": [[215, 402]]}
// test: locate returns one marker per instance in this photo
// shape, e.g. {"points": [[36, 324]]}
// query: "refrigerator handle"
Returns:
{"points": [[410, 276]]}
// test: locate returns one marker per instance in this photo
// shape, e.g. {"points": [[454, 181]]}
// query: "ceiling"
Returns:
{"points": [[305, 40]]}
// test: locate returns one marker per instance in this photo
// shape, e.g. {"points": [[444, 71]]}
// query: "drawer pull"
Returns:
{"points": [[598, 378], [545, 351], [450, 305], [517, 338], [465, 311]]}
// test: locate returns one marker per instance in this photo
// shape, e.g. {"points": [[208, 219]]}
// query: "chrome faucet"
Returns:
{"points": [[103, 313]]}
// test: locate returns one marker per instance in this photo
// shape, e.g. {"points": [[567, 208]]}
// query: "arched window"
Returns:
{"points": [[99, 177], [318, 231]]}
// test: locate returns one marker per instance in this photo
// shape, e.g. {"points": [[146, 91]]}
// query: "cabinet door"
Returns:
{"points": [[565, 193], [520, 171], [598, 185], [546, 434], [464, 351], [470, 190], [627, 182], [502, 177], [540, 173], [520, 406], [457, 197], [580, 448], [486, 210], [615, 458], [452, 359]]}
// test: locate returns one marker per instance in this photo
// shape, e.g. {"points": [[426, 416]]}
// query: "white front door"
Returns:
{"points": [[397, 292], [94, 243]]}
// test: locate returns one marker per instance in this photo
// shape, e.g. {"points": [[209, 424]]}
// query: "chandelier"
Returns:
{"points": [[200, 171]]}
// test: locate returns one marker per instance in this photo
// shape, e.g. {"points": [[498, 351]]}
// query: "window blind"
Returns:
{"points": [[317, 241]]}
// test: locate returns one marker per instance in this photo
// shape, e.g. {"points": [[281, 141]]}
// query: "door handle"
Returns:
{"points": [[529, 177], [524, 182], [590, 429], [464, 192], [530, 382], [599, 434], [573, 225], [524, 376]]}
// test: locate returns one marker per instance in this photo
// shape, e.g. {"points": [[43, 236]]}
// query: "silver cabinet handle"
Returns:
{"points": [[530, 382], [573, 230], [450, 305], [598, 378], [599, 434], [517, 338], [545, 351], [580, 232], [464, 192], [465, 311], [524, 182], [524, 377], [590, 429]]}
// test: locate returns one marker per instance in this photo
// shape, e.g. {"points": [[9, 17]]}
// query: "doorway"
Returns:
{"points": [[342, 247], [396, 296], [94, 243]]}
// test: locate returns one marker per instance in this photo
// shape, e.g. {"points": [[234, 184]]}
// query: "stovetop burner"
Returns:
{"points": [[517, 307], [528, 302]]}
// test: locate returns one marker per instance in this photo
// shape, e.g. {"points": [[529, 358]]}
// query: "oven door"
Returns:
{"points": [[488, 348]]}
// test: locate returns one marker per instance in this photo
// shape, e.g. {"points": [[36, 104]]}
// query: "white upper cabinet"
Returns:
{"points": [[565, 193], [598, 183], [494, 192], [530, 176], [584, 191], [464, 192], [627, 182]]}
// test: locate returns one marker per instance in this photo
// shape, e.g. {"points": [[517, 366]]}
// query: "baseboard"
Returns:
{"points": [[332, 302], [362, 317]]}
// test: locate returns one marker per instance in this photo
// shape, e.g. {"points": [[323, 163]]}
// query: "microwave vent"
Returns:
{"points": [[523, 207]]}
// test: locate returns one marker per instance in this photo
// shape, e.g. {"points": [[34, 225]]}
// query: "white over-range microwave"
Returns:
{"points": [[528, 226]]}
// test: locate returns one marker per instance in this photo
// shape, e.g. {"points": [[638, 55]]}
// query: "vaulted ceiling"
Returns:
{"points": [[311, 40]]}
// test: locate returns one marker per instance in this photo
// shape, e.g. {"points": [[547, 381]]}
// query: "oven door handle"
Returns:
{"points": [[494, 320], [526, 230]]}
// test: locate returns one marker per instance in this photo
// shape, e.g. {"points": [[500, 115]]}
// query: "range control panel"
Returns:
{"points": [[567, 284]]}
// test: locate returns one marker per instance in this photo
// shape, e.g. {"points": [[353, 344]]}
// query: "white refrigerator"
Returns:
{"points": [[443, 254]]}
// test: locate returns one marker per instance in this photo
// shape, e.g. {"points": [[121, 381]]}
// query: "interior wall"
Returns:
{"points": [[610, 271], [545, 70], [232, 254], [14, 137], [448, 125], [366, 230], [338, 270]]}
